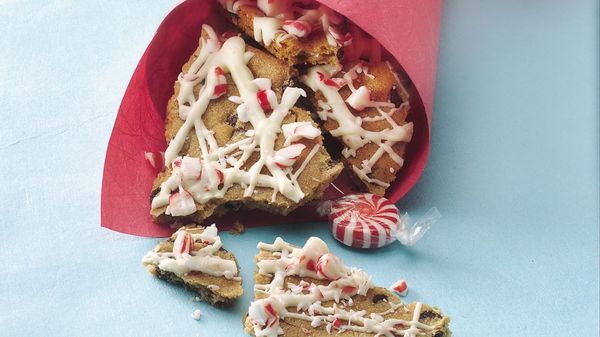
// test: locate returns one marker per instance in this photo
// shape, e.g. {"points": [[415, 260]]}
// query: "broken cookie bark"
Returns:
{"points": [[365, 107], [194, 257], [358, 96], [236, 137], [309, 291]]}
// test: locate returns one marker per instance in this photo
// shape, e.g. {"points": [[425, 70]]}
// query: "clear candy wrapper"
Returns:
{"points": [[409, 232], [370, 221]]}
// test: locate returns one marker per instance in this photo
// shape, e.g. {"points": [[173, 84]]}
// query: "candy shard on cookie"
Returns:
{"points": [[230, 146], [309, 291], [365, 107], [295, 31], [194, 257]]}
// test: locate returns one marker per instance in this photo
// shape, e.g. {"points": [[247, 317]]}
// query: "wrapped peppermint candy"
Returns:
{"points": [[367, 220]]}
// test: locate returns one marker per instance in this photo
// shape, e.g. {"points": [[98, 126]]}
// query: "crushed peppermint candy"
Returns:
{"points": [[196, 314], [400, 287], [155, 159], [306, 298]]}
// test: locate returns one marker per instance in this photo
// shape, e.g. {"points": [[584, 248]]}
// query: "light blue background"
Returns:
{"points": [[513, 168]]}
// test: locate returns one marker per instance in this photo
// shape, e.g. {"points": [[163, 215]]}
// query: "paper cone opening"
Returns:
{"points": [[139, 127]]}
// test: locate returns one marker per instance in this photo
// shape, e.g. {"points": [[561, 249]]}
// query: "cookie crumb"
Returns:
{"points": [[213, 287]]}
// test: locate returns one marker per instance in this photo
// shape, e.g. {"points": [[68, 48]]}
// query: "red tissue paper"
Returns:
{"points": [[407, 29]]}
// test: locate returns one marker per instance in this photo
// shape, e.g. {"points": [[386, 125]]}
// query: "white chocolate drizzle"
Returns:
{"points": [[350, 130], [219, 168], [315, 261], [185, 259]]}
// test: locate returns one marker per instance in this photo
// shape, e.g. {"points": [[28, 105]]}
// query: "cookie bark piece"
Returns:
{"points": [[384, 86], [215, 290], [376, 300], [221, 118], [310, 50]]}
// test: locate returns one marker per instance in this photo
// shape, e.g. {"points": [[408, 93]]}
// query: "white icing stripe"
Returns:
{"points": [[221, 167], [265, 29], [349, 130], [315, 261], [183, 260]]}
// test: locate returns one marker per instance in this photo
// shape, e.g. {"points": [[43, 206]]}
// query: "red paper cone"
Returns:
{"points": [[410, 35]]}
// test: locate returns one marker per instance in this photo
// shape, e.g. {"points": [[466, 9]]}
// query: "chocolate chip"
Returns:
{"points": [[395, 97], [430, 314], [154, 193], [439, 334], [301, 58], [230, 206], [379, 297], [232, 119], [291, 82]]}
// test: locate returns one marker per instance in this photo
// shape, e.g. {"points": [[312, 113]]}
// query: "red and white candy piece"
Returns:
{"points": [[364, 220], [286, 157], [309, 255], [155, 160], [360, 98], [330, 267], [342, 39], [221, 84], [211, 176], [184, 243], [265, 312], [181, 203], [266, 98], [400, 287], [297, 28], [273, 7], [196, 314], [332, 82], [190, 168], [296, 131]]}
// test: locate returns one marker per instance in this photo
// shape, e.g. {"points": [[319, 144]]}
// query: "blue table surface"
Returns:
{"points": [[513, 169]]}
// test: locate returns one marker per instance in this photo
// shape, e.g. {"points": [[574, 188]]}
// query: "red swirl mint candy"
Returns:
{"points": [[370, 221], [364, 220]]}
